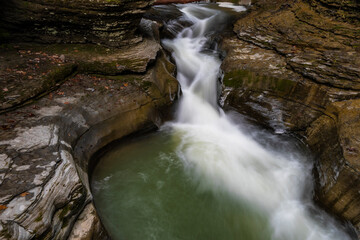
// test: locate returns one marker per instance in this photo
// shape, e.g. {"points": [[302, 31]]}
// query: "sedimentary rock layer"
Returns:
{"points": [[292, 69], [110, 22]]}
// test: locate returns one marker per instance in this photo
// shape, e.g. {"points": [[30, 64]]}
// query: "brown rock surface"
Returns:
{"points": [[292, 69], [335, 135], [46, 144], [110, 22]]}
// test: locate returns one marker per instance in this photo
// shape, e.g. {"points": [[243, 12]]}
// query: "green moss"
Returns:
{"points": [[98, 68], [112, 68], [58, 75], [5, 234], [74, 49], [145, 85], [4, 34], [39, 218], [64, 212], [248, 79]]}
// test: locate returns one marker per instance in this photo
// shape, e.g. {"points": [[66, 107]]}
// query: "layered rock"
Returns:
{"points": [[49, 134], [110, 22], [293, 70], [335, 136], [342, 10]]}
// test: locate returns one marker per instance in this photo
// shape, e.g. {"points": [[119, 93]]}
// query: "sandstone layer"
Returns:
{"points": [[294, 68], [60, 104], [110, 22]]}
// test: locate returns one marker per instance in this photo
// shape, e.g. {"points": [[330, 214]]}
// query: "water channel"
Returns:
{"points": [[208, 174]]}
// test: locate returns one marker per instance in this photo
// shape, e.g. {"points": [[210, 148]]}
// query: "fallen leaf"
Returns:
{"points": [[24, 194], [126, 84], [106, 87], [3, 207], [66, 103], [5, 89], [30, 115], [21, 72]]}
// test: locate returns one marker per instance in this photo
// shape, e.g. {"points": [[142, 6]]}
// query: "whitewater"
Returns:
{"points": [[219, 157]]}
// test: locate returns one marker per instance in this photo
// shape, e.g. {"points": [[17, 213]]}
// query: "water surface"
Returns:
{"points": [[204, 175]]}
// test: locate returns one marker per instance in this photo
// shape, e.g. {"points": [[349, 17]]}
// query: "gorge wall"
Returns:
{"points": [[110, 22], [75, 76], [294, 67], [79, 74]]}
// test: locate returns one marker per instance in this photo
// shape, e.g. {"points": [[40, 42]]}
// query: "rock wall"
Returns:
{"points": [[292, 69], [46, 151], [342, 10], [110, 22], [61, 103], [334, 138]]}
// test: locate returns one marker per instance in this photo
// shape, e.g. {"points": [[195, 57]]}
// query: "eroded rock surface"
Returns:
{"points": [[46, 145], [110, 22], [294, 67]]}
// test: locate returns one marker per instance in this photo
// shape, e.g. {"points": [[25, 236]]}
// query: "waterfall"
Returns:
{"points": [[219, 157]]}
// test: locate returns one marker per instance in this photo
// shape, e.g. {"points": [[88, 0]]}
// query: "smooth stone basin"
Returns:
{"points": [[141, 191]]}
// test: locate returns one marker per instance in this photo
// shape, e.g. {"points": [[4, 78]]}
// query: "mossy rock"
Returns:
{"points": [[248, 79]]}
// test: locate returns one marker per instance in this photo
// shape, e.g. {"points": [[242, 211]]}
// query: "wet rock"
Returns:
{"points": [[271, 93], [111, 22], [47, 150], [320, 49], [88, 226], [292, 69], [159, 2], [342, 10], [27, 80], [334, 138]]}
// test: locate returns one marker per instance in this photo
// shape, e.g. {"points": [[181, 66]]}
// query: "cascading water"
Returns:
{"points": [[219, 157], [201, 177]]}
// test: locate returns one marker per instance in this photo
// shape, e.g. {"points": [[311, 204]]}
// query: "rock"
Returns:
{"points": [[88, 226], [294, 70], [335, 136], [269, 92], [46, 147], [342, 10], [109, 22], [320, 49], [159, 2], [62, 57], [18, 71]]}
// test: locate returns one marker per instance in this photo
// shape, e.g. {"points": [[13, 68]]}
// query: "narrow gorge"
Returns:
{"points": [[216, 120]]}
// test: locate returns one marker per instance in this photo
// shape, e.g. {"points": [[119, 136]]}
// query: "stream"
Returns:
{"points": [[208, 174]]}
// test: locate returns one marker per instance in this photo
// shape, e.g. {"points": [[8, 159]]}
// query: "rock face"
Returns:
{"points": [[292, 69], [342, 10], [48, 135], [110, 22], [335, 135]]}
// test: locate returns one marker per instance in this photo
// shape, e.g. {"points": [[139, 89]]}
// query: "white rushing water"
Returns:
{"points": [[223, 160]]}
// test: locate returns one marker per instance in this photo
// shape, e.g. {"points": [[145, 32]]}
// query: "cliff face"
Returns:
{"points": [[110, 22], [294, 67], [341, 10], [71, 83]]}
